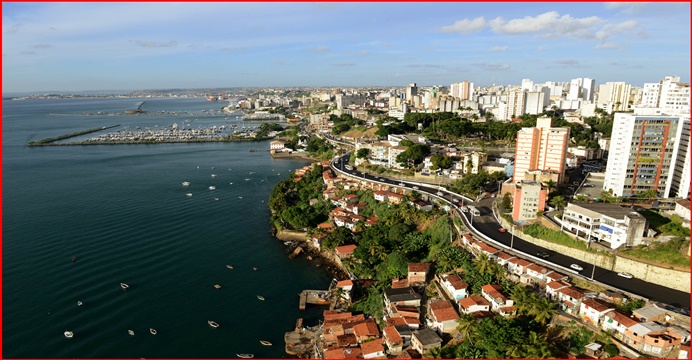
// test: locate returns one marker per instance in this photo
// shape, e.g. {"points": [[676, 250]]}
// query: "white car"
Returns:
{"points": [[626, 275], [576, 267], [415, 187]]}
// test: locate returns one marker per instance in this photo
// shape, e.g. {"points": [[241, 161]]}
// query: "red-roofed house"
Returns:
{"points": [[346, 286], [496, 298], [503, 257], [395, 198], [344, 251], [442, 316], [454, 286], [399, 283], [467, 239], [329, 193], [394, 341], [593, 310], [555, 276], [373, 349], [553, 287], [616, 323], [346, 340], [366, 330], [536, 273], [418, 272], [483, 248], [472, 304], [517, 266], [570, 299], [380, 195]]}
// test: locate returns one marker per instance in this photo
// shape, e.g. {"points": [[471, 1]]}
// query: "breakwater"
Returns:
{"points": [[50, 141]]}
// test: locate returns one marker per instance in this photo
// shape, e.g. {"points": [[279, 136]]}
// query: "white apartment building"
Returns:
{"points": [[581, 88], [614, 96], [527, 84], [541, 148], [537, 101], [649, 149], [608, 223], [669, 94]]}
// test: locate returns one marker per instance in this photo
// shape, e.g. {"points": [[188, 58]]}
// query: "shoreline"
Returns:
{"points": [[322, 258]]}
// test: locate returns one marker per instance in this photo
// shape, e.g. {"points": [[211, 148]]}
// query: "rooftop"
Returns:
{"points": [[427, 337]]}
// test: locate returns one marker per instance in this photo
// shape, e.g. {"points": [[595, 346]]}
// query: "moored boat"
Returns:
{"points": [[212, 188], [265, 343], [124, 286], [188, 194], [153, 331], [186, 183], [79, 303], [245, 356], [260, 297], [212, 324], [229, 266], [132, 333], [217, 286], [68, 334]]}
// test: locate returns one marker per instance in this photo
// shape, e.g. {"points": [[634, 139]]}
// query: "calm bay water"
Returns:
{"points": [[122, 211]]}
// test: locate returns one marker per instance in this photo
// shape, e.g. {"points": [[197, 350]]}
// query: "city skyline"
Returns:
{"points": [[129, 46]]}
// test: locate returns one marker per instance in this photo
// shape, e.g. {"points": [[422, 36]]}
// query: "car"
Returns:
{"points": [[502, 230], [415, 188], [625, 275], [576, 267], [381, 179], [542, 254], [401, 184], [439, 193]]}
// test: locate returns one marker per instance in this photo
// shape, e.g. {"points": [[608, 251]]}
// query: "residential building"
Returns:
{"points": [[473, 304], [471, 162], [498, 300], [418, 272], [609, 223], [394, 341], [648, 149], [649, 313], [541, 148], [669, 95], [581, 88], [442, 316], [617, 323], [614, 96], [425, 340], [537, 101], [403, 296], [372, 349], [411, 91], [454, 286], [529, 199], [593, 310]]}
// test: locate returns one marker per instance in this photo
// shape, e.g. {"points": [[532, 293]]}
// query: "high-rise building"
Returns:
{"points": [[411, 91], [463, 90], [581, 89], [669, 94], [614, 96], [648, 152], [541, 148], [527, 84], [536, 101], [514, 106], [529, 199]]}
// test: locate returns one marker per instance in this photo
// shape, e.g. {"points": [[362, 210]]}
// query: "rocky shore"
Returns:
{"points": [[321, 258]]}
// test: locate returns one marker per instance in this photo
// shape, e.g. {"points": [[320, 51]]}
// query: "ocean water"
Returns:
{"points": [[121, 210]]}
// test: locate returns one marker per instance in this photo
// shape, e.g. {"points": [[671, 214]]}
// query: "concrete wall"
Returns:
{"points": [[674, 279]]}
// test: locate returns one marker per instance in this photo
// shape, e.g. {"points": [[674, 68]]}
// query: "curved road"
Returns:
{"points": [[488, 226]]}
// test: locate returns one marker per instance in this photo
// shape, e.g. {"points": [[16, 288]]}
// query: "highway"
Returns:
{"points": [[486, 224]]}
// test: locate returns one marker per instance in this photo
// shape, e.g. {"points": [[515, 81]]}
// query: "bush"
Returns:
{"points": [[555, 236], [611, 350]]}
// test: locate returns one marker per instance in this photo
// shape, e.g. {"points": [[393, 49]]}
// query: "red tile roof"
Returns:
{"points": [[418, 267], [392, 336], [572, 292], [456, 282], [504, 256], [443, 310], [486, 248], [395, 321], [372, 347], [537, 268], [345, 249], [621, 318], [556, 276], [472, 300], [557, 284], [598, 305], [367, 328], [344, 283], [399, 283], [494, 291]]}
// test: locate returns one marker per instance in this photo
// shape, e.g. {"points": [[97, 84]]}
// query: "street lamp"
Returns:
{"points": [[511, 244], [593, 271]]}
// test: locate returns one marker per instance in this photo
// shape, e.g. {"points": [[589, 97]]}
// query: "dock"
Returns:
{"points": [[314, 297]]}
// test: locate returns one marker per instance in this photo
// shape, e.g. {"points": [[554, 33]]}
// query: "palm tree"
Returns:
{"points": [[559, 202], [550, 184], [543, 310], [435, 353], [483, 264], [522, 298], [466, 326]]}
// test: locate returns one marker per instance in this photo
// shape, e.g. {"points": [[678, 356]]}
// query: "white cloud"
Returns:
{"points": [[344, 64], [493, 66], [155, 44], [466, 26], [499, 48], [320, 49], [549, 24], [607, 46]]}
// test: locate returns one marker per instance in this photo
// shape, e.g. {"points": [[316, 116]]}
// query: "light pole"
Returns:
{"points": [[511, 244], [593, 271]]}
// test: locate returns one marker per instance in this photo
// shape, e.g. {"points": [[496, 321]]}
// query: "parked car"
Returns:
{"points": [[542, 254], [576, 267], [626, 275], [502, 230]]}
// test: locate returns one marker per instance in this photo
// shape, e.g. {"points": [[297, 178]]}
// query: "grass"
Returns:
{"points": [[670, 253]]}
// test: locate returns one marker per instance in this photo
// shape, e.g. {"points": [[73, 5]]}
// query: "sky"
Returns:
{"points": [[160, 45]]}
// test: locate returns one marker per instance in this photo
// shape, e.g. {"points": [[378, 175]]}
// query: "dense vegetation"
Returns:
{"points": [[290, 200], [474, 184]]}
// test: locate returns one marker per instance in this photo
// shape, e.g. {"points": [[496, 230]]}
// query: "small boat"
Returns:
{"points": [[152, 331], [68, 334], [132, 333], [254, 268], [74, 258], [265, 343], [124, 286], [212, 324], [248, 179], [212, 188], [79, 303], [217, 286], [188, 194], [186, 183], [231, 183], [245, 356], [213, 175], [213, 167], [240, 197], [252, 172], [260, 297], [229, 266], [216, 199]]}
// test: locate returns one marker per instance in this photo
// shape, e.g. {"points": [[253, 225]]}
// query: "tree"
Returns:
{"points": [[483, 263], [543, 310], [506, 203], [550, 184], [338, 237], [648, 194], [559, 202], [362, 153], [466, 325]]}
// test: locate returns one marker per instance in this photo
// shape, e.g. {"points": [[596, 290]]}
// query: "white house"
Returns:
{"points": [[455, 287]]}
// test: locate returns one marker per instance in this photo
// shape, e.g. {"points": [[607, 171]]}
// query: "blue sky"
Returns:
{"points": [[130, 46]]}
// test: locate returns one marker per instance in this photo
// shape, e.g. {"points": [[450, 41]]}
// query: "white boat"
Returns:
{"points": [[186, 183], [245, 356], [265, 343], [240, 197], [79, 303], [213, 175], [229, 266], [188, 194], [212, 188], [124, 286], [152, 331], [216, 199], [212, 324], [68, 334], [248, 179], [260, 297], [132, 333]]}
